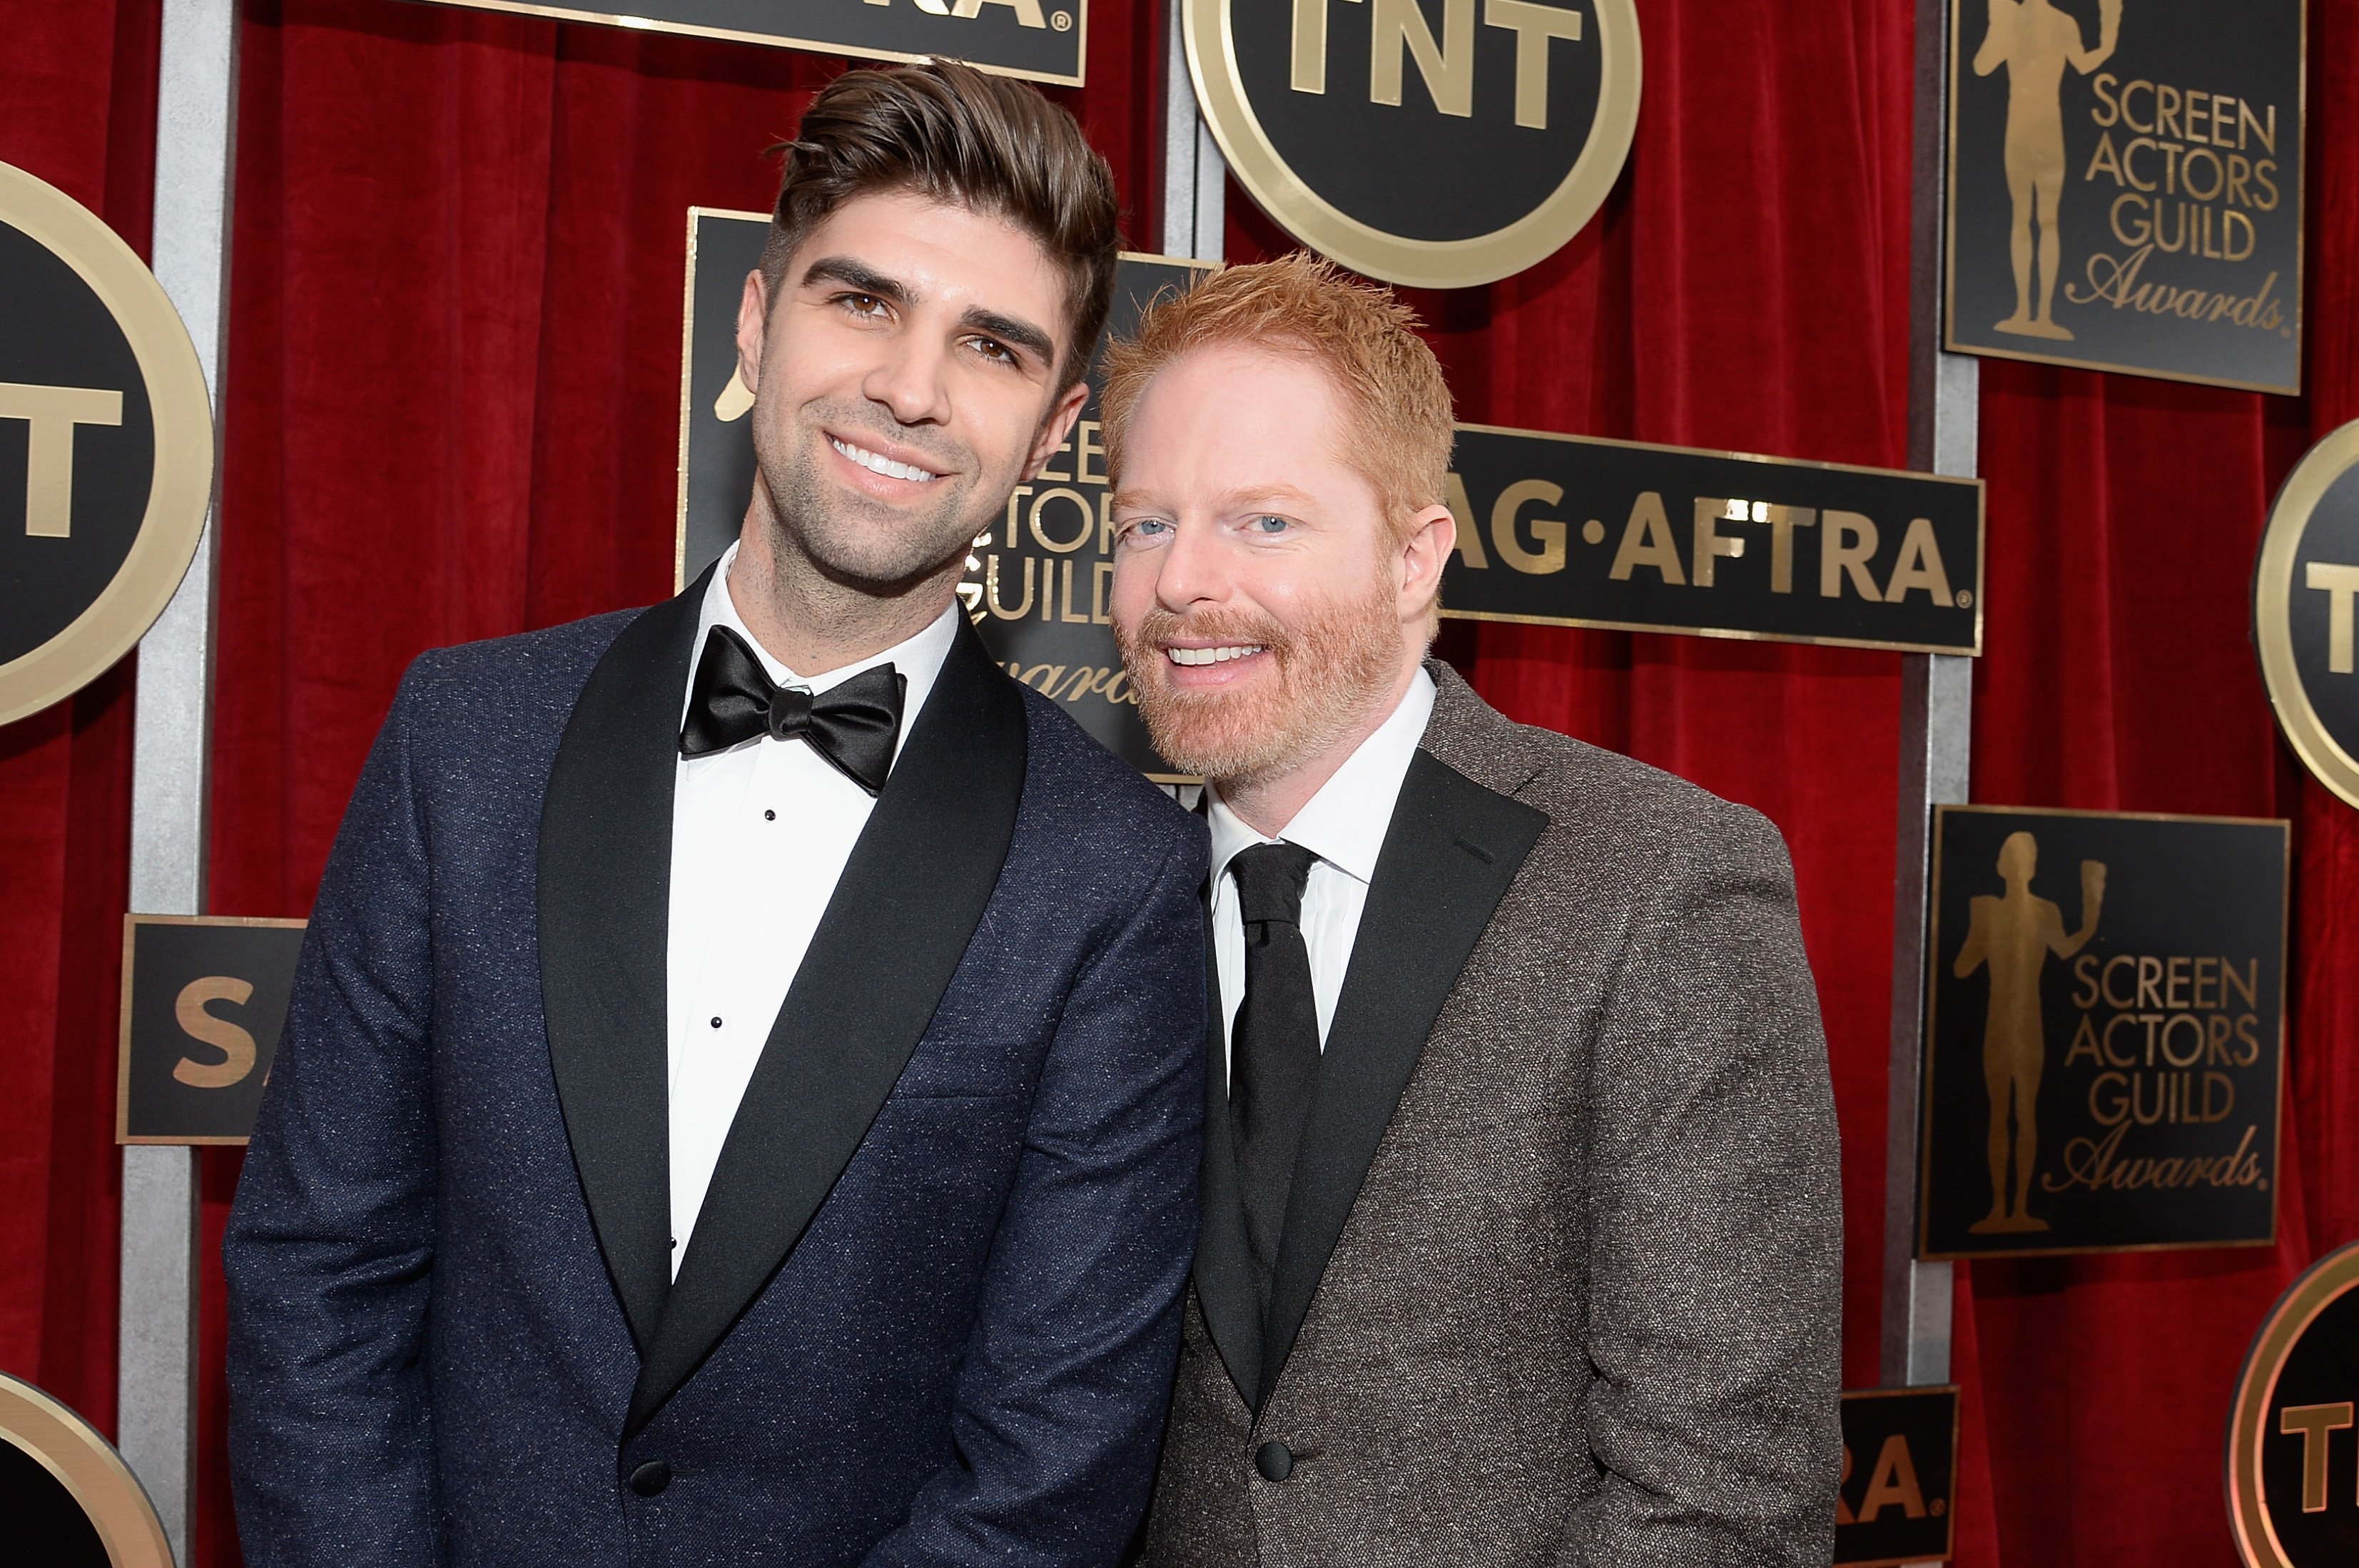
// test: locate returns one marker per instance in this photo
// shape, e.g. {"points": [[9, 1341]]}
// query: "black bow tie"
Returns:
{"points": [[855, 724]]}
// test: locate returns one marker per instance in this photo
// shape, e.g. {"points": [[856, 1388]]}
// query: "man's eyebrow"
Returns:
{"points": [[1256, 495], [855, 275], [1014, 332]]}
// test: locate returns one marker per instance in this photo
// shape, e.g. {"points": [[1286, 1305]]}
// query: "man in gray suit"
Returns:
{"points": [[1521, 1239]]}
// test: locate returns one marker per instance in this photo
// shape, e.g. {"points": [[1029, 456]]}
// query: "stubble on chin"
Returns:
{"points": [[849, 538], [1327, 673]]}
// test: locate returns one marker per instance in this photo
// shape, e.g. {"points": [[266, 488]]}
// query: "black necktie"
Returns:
{"points": [[853, 724], [1273, 1044]]}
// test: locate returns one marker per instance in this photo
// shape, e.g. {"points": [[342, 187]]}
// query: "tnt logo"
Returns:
{"points": [[1399, 32]]}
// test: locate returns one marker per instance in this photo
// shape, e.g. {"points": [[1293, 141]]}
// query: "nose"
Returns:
{"points": [[1193, 569], [910, 380]]}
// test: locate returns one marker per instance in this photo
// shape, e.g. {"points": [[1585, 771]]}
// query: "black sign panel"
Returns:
{"points": [[203, 1000], [1045, 40], [105, 447], [2126, 186], [1037, 584], [69, 1500], [1899, 1474], [1441, 143], [2104, 1032], [2293, 1431], [1572, 531], [2304, 589]]}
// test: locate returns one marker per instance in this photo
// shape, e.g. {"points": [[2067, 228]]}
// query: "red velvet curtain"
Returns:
{"points": [[77, 109], [453, 386]]}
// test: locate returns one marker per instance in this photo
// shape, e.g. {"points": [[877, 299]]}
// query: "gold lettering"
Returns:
{"points": [[2338, 583], [1091, 445], [2105, 160], [2313, 1423], [235, 1044], [990, 589], [1066, 614], [1646, 542], [2084, 1043], [1919, 566], [1534, 27], [53, 412], [1310, 70], [1040, 534], [1399, 27], [1849, 545], [1710, 544], [1549, 531], [1894, 1481], [2267, 136]]}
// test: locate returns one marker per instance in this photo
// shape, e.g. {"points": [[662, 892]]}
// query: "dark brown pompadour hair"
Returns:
{"points": [[948, 132]]}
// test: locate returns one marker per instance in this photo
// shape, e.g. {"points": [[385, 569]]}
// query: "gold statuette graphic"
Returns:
{"points": [[2014, 934], [2035, 41]]}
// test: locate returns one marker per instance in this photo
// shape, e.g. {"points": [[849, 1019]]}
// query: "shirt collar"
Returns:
{"points": [[919, 660], [1345, 824]]}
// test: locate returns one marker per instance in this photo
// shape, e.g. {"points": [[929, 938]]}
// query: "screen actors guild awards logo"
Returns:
{"points": [[2102, 1076], [2012, 937], [2035, 41], [2124, 186]]}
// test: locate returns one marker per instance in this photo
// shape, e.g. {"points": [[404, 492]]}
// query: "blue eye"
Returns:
{"points": [[1269, 524], [1148, 527]]}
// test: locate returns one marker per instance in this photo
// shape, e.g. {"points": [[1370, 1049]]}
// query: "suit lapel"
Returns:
{"points": [[1224, 1280], [1451, 851], [910, 898], [604, 893]]}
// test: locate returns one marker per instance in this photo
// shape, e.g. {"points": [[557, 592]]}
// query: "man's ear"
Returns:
{"points": [[752, 322], [1056, 427], [1432, 534]]}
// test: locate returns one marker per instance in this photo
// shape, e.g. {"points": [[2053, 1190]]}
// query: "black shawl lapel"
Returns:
{"points": [[605, 919], [1224, 1280], [910, 898], [1452, 848]]}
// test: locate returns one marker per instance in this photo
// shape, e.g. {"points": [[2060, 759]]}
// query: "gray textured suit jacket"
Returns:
{"points": [[1560, 1276]]}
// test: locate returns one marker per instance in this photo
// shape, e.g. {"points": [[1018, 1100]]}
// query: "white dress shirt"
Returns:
{"points": [[1344, 825], [759, 836]]}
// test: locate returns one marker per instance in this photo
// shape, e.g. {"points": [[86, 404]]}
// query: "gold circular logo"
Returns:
{"points": [[2304, 586], [2293, 1445], [1439, 143], [106, 447], [70, 1499]]}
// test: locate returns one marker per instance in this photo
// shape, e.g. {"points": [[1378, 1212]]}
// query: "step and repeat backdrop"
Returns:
{"points": [[2104, 1032]]}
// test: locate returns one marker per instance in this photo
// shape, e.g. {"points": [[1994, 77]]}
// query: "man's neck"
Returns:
{"points": [[1267, 803], [812, 625]]}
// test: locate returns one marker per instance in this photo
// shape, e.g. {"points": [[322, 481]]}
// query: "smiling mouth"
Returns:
{"points": [[1213, 656], [876, 463]]}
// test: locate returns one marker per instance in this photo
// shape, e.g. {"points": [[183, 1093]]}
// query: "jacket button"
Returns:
{"points": [[1275, 1461], [651, 1477]]}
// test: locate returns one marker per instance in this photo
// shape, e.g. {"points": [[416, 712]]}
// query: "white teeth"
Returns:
{"points": [[1213, 656], [876, 463]]}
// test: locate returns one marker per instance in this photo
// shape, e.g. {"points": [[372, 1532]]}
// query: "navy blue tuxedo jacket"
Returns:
{"points": [[929, 1311]]}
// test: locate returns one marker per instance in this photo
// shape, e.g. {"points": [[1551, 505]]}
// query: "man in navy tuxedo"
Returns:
{"points": [[742, 1097]]}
